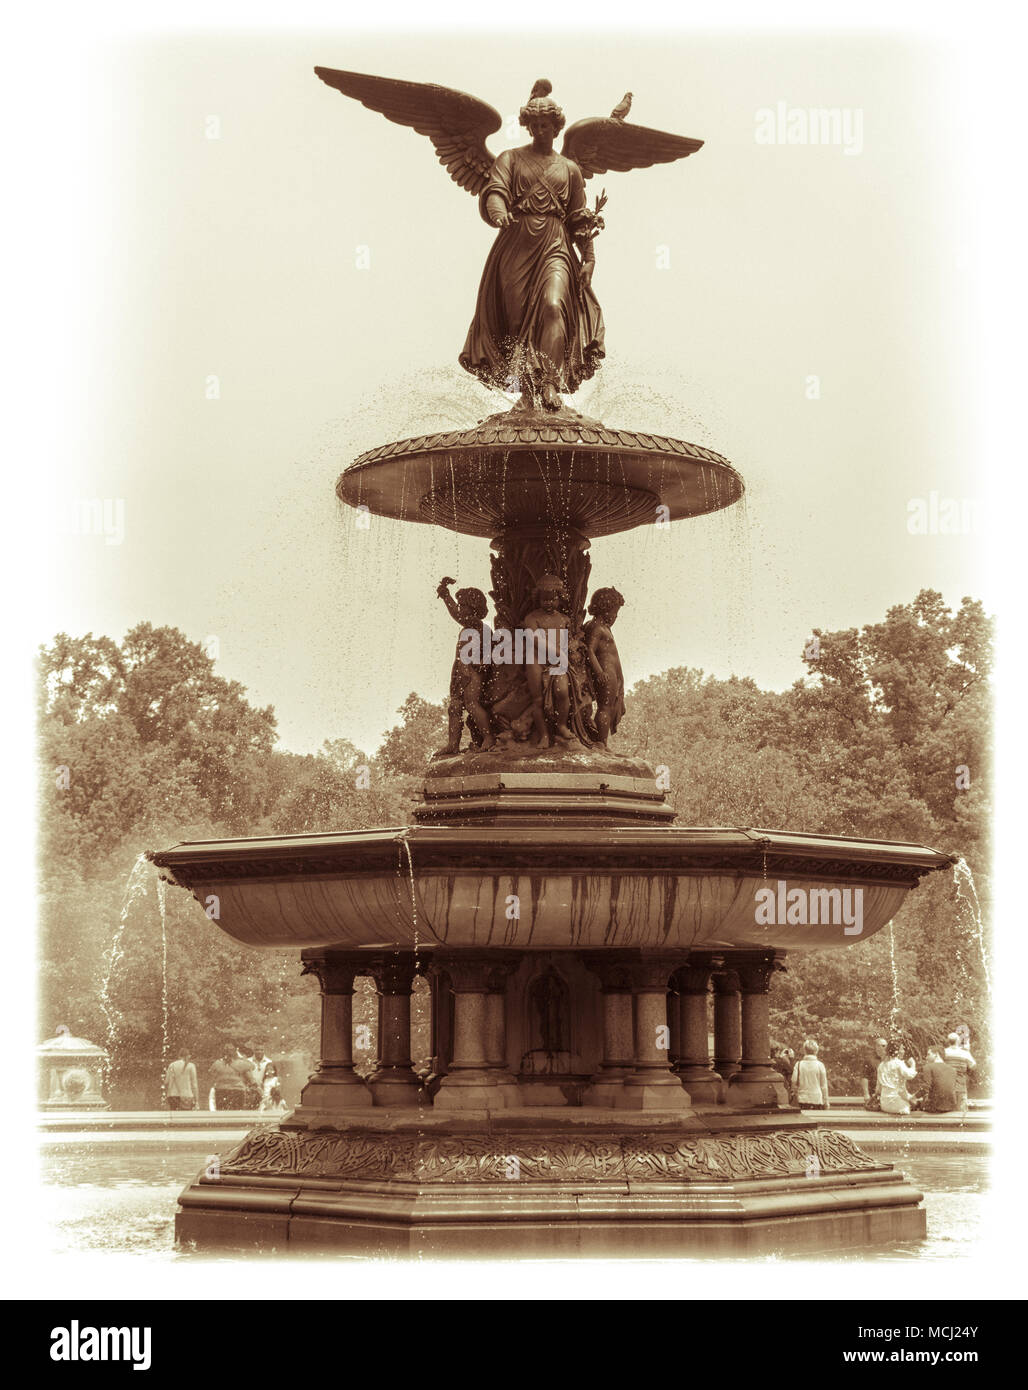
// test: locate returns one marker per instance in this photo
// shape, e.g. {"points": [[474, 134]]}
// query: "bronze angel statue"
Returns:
{"points": [[538, 327]]}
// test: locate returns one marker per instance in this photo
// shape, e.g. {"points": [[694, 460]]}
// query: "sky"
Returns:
{"points": [[808, 310]]}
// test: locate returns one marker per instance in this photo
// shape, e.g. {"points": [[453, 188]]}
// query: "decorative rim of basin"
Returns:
{"points": [[540, 849], [525, 467]]}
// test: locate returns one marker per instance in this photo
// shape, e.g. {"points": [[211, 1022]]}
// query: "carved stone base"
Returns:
{"points": [[332, 1096], [756, 1088], [599, 1183]]}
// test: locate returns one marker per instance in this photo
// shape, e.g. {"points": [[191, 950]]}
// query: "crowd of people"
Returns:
{"points": [[242, 1078], [887, 1077]]}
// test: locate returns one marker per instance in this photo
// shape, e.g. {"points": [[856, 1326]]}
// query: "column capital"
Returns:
{"points": [[693, 978], [502, 967], [633, 970], [755, 971], [393, 974], [335, 973], [612, 969], [468, 972], [726, 982]]}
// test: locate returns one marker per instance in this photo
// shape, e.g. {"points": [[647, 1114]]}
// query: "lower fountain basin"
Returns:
{"points": [[547, 888]]}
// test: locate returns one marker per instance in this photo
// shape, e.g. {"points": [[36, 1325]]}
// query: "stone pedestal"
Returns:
{"points": [[757, 1084], [335, 1086], [545, 1184]]}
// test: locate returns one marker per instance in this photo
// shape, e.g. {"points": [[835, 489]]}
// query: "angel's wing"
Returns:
{"points": [[599, 144], [457, 124]]}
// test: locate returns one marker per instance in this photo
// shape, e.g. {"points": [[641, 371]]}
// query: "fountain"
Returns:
{"points": [[580, 946]]}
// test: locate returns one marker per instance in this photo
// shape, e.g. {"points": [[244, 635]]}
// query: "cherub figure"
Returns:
{"points": [[469, 609], [543, 681], [605, 663]]}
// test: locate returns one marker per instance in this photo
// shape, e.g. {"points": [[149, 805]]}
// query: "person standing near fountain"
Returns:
{"points": [[810, 1079], [180, 1084], [962, 1062], [893, 1075], [227, 1083]]}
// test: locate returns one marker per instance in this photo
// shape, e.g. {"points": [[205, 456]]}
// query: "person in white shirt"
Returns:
{"points": [[810, 1080], [962, 1062], [893, 1075], [180, 1084]]}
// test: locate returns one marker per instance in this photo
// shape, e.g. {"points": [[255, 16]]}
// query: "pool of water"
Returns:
{"points": [[121, 1197]]}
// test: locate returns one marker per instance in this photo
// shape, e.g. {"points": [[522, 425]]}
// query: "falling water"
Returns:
{"points": [[135, 888], [894, 1012], [967, 895], [162, 908], [413, 899]]}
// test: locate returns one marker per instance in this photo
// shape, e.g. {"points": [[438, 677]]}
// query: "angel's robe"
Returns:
{"points": [[532, 264]]}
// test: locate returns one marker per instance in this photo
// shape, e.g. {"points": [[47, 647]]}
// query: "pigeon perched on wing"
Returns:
{"points": [[623, 107]]}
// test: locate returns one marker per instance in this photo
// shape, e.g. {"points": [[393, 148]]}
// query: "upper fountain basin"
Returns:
{"points": [[527, 467], [545, 888]]}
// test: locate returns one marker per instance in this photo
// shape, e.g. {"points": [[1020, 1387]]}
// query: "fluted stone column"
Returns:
{"points": [[693, 1067], [651, 1085], [727, 1026], [470, 1083], [335, 1085], [394, 1084], [757, 1083], [607, 1085]]}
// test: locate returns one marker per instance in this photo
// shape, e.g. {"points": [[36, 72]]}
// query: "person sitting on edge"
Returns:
{"points": [[893, 1075], [810, 1079], [941, 1078], [547, 618], [869, 1079], [962, 1062]]}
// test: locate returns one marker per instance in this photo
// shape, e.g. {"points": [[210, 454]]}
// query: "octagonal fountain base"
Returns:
{"points": [[593, 1182]]}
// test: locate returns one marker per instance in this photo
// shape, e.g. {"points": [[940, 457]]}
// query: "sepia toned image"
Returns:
{"points": [[515, 684]]}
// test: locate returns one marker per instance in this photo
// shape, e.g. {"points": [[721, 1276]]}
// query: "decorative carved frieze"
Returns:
{"points": [[545, 1157]]}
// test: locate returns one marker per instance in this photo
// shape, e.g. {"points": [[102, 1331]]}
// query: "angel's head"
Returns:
{"points": [[541, 111]]}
